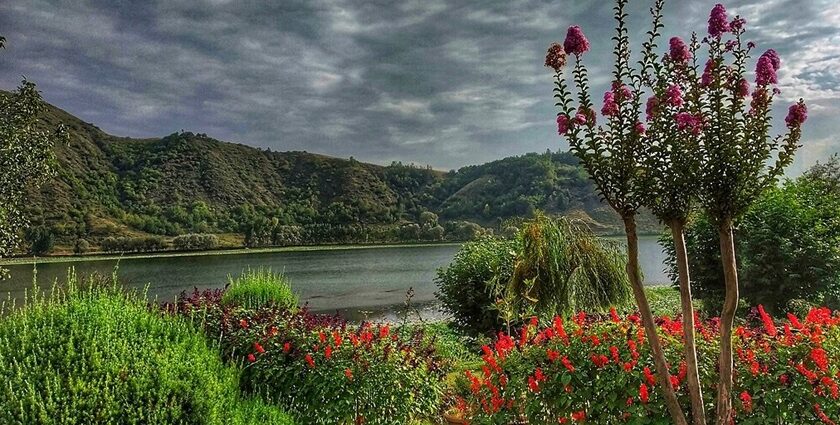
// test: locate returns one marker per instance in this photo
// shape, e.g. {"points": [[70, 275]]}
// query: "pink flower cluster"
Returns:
{"points": [[652, 107], [706, 78], [555, 58], [674, 96], [690, 122], [610, 108], [576, 43], [797, 114], [766, 67], [679, 51], [718, 23]]}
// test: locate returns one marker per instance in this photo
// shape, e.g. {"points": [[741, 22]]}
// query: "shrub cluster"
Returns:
{"points": [[599, 370], [133, 244], [319, 368], [195, 242], [260, 288], [98, 355]]}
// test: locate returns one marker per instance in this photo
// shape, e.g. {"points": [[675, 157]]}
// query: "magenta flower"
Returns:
{"points": [[774, 58], [652, 107], [580, 119], [750, 45], [743, 88], [765, 72], [610, 108], [674, 95], [679, 51], [706, 78], [692, 123], [640, 128], [563, 124], [737, 24], [576, 43], [555, 58], [718, 24], [622, 92], [797, 114]]}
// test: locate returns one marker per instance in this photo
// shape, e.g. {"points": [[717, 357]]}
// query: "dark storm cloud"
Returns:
{"points": [[425, 81]]}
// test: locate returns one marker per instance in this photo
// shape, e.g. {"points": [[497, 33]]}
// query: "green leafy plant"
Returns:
{"points": [[259, 288], [90, 353]]}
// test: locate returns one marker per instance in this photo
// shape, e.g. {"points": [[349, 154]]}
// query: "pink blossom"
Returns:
{"points": [[774, 58], [718, 23], [750, 45], [576, 43], [580, 119], [610, 107], [797, 114], [588, 115], [679, 51], [674, 95], [765, 72], [622, 92], [743, 88], [640, 128], [737, 24], [563, 124], [760, 100], [706, 78], [652, 107], [689, 122], [555, 58]]}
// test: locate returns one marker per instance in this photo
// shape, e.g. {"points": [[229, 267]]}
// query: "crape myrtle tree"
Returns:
{"points": [[610, 153], [670, 162], [26, 158], [740, 159]]}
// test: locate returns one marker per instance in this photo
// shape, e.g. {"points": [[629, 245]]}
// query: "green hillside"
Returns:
{"points": [[183, 183]]}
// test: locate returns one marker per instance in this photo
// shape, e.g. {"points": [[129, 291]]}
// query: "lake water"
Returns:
{"points": [[355, 282]]}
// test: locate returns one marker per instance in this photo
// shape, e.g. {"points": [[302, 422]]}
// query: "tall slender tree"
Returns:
{"points": [[739, 158], [610, 153], [26, 158], [669, 185]]}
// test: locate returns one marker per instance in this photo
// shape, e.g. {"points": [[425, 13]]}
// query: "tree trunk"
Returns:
{"points": [[647, 320], [698, 411], [727, 318]]}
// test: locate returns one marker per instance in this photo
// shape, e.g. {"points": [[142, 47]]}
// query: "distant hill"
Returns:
{"points": [[191, 183]]}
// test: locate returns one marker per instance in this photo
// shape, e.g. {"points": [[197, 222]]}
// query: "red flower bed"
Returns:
{"points": [[599, 370]]}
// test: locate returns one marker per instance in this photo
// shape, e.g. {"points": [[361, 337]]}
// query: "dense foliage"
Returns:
{"points": [[321, 369], [468, 288], [788, 246], [552, 266], [97, 355], [598, 370]]}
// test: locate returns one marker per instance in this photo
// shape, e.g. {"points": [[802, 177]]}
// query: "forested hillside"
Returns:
{"points": [[188, 183]]}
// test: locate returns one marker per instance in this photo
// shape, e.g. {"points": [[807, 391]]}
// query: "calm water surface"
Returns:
{"points": [[351, 281]]}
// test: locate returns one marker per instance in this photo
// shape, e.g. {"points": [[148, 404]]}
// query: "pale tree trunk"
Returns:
{"points": [[635, 275], [698, 412], [727, 319]]}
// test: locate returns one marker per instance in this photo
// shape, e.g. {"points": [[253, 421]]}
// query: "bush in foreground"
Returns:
{"points": [[600, 371], [258, 288], [97, 355], [319, 368]]}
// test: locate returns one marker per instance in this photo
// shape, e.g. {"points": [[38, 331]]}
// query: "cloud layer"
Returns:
{"points": [[434, 82]]}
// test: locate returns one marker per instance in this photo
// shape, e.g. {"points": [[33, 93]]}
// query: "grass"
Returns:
{"points": [[261, 287], [90, 353]]}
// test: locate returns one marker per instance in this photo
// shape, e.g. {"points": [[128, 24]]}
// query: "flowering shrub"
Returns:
{"points": [[321, 369], [599, 370]]}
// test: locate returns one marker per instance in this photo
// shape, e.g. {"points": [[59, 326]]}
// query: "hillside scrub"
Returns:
{"points": [[90, 353]]}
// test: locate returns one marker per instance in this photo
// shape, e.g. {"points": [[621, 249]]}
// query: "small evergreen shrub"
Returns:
{"points": [[89, 353], [261, 287]]}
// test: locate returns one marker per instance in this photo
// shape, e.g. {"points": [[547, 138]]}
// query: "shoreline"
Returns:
{"points": [[225, 251]]}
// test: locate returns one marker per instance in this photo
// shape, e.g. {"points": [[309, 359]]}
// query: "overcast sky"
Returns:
{"points": [[424, 81]]}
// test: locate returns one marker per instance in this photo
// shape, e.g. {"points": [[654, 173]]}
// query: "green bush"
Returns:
{"points": [[261, 287], [195, 241], [788, 247], [466, 287], [97, 355]]}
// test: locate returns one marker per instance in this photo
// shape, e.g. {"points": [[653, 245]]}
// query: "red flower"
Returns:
{"points": [[769, 326], [746, 401], [243, 323], [649, 376], [309, 361], [600, 360], [348, 373], [643, 393], [322, 337], [794, 321], [614, 354], [259, 348], [337, 338], [533, 385], [538, 374], [287, 347], [614, 315], [579, 416], [552, 355], [384, 331], [328, 352], [820, 358], [823, 417], [568, 364], [252, 358]]}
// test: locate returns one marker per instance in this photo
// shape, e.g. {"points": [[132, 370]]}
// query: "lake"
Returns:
{"points": [[356, 282]]}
